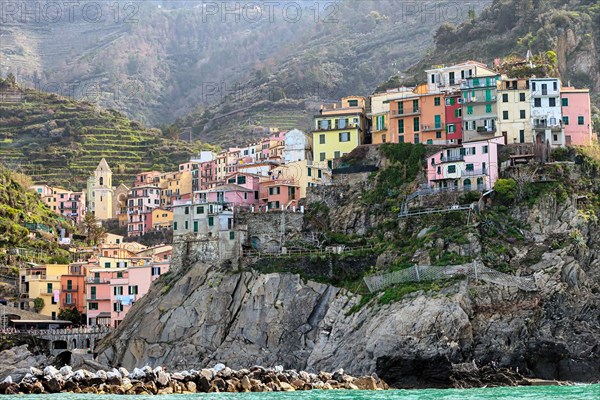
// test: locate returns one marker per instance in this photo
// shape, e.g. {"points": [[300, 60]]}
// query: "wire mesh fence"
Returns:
{"points": [[475, 270]]}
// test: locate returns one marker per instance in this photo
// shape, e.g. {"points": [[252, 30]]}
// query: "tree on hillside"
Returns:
{"points": [[92, 228]]}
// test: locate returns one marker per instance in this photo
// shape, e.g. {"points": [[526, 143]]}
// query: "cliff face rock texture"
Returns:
{"points": [[204, 314]]}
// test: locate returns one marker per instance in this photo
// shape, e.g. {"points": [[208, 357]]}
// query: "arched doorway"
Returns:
{"points": [[480, 185], [467, 184]]}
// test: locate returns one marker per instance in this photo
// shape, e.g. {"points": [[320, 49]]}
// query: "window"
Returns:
{"points": [[118, 290], [566, 120], [469, 110], [451, 128], [533, 86], [415, 105], [195, 226], [155, 271], [401, 139], [231, 235], [458, 113], [580, 120], [505, 98], [556, 138], [324, 124], [436, 101], [555, 86], [437, 121], [48, 288], [336, 154], [319, 174], [174, 226], [400, 107], [552, 101], [521, 96], [488, 108], [439, 170], [93, 306], [565, 102], [321, 139], [400, 126], [522, 135], [322, 156], [309, 171], [416, 124], [505, 115], [241, 180], [69, 284], [200, 210], [344, 137], [383, 138], [101, 181], [416, 138], [132, 289], [353, 103], [211, 221], [107, 265], [438, 135], [485, 149], [522, 114], [469, 167], [119, 274], [187, 225], [451, 169], [117, 307], [537, 102]]}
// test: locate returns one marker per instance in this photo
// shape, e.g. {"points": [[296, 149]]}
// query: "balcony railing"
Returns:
{"points": [[544, 126], [98, 297], [486, 129], [480, 99], [453, 158], [426, 128], [474, 172], [97, 280], [336, 127], [69, 303], [405, 113], [70, 288]]}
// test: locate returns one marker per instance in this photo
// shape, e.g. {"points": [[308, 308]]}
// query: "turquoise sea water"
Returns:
{"points": [[539, 392]]}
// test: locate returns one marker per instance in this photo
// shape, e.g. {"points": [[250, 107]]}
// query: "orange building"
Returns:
{"points": [[72, 287], [418, 118]]}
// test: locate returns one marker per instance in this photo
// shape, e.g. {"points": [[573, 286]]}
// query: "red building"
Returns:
{"points": [[454, 129]]}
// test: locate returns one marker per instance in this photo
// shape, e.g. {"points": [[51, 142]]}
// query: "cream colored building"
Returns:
{"points": [[101, 199], [303, 174]]}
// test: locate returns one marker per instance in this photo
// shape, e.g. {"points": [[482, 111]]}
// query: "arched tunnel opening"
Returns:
{"points": [[59, 345]]}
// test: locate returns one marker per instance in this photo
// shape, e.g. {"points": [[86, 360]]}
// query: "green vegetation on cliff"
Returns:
{"points": [[22, 212], [60, 141]]}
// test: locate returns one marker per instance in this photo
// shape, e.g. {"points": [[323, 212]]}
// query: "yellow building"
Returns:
{"points": [[338, 129], [161, 218], [514, 113], [46, 286]]}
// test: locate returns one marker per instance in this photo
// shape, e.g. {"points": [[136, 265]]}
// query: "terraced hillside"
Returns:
{"points": [[59, 141]]}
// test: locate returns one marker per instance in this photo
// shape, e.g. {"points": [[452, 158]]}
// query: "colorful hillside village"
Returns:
{"points": [[467, 111]]}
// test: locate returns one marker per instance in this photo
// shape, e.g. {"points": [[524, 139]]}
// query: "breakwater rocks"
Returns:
{"points": [[157, 381]]}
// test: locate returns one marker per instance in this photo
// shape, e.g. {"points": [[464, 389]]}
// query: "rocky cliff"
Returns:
{"points": [[206, 313], [211, 315]]}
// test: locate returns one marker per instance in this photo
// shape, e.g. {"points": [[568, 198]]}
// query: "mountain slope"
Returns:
{"points": [[60, 141], [164, 62]]}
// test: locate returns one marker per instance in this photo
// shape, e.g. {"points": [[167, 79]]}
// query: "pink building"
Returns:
{"points": [[147, 178], [577, 116], [471, 166], [98, 295], [233, 194], [141, 201]]}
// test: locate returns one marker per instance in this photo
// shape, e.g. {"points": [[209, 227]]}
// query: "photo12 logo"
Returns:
{"points": [[23, 12], [271, 11]]}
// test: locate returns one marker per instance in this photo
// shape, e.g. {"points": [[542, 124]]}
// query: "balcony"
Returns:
{"points": [[481, 99], [69, 303], [336, 127], [427, 128], [474, 172], [545, 126], [407, 113], [452, 158], [70, 288], [98, 297], [97, 280], [486, 129]]}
